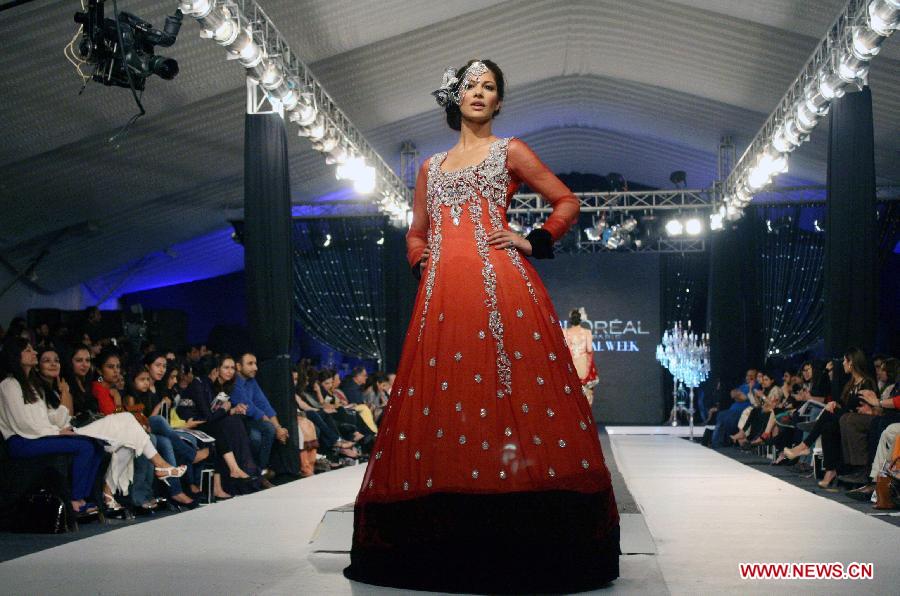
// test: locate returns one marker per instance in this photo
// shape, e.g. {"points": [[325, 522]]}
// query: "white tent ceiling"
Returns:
{"points": [[641, 87]]}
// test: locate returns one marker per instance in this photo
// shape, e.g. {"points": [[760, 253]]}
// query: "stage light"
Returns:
{"points": [[327, 242], [592, 234], [304, 113], [316, 129], [817, 227], [629, 224], [866, 42], [715, 221], [364, 183], [380, 241], [831, 85], [884, 16], [339, 154], [674, 227], [733, 213], [693, 226]]}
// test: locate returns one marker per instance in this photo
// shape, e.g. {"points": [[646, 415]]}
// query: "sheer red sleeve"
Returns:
{"points": [[417, 236], [528, 168], [104, 399]]}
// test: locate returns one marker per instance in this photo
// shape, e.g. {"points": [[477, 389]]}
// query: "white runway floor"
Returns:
{"points": [[705, 512]]}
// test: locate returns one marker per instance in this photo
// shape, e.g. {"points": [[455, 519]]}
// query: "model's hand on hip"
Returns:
{"points": [[501, 239]]}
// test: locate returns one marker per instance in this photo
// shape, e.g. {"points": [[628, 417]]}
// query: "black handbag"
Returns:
{"points": [[43, 513]]}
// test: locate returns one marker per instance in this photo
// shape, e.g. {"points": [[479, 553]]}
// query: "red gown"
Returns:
{"points": [[487, 472]]}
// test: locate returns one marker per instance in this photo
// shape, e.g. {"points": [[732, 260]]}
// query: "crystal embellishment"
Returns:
{"points": [[536, 440], [582, 424], [540, 380], [378, 455], [502, 475], [552, 356], [585, 464], [550, 412], [440, 433], [462, 439], [405, 485], [519, 313], [457, 356], [524, 408], [418, 456], [481, 334], [411, 391], [536, 335], [426, 411], [517, 355], [484, 412], [562, 443], [485, 445], [551, 472], [507, 431], [477, 378], [444, 386], [428, 483], [458, 406], [432, 362], [402, 436], [475, 474], [567, 389], [441, 317]]}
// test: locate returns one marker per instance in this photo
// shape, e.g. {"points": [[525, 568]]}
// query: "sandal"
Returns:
{"points": [[170, 472], [110, 503]]}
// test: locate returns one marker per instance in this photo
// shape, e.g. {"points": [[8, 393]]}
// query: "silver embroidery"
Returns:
{"points": [[462, 439], [402, 436], [536, 336], [519, 313], [550, 412], [441, 317], [475, 474], [500, 394], [483, 412], [536, 440], [457, 356], [428, 483], [507, 431], [459, 406], [552, 356], [585, 464], [477, 378], [562, 443], [418, 456], [432, 362], [425, 411], [481, 335], [582, 424], [485, 445], [517, 355], [540, 380], [524, 408], [378, 455], [567, 389], [411, 391], [551, 472], [405, 485], [502, 475], [440, 433], [444, 386]]}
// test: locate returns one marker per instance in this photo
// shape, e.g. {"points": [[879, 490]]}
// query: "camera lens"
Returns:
{"points": [[165, 68]]}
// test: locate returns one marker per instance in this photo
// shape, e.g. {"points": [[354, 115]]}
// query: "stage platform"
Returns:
{"points": [[698, 514]]}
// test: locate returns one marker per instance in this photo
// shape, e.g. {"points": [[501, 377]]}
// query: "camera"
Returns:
{"points": [[125, 46]]}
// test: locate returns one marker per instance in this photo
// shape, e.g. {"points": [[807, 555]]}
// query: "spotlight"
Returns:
{"points": [[327, 242], [131, 63], [678, 178], [884, 16], [592, 234], [380, 241], [365, 182], [817, 227], [693, 226], [715, 221], [629, 224], [674, 227], [733, 213]]}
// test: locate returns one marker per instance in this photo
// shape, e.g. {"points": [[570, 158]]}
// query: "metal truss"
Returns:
{"points": [[605, 202]]}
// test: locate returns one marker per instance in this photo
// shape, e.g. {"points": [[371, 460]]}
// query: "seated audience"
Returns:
{"points": [[727, 420], [260, 419]]}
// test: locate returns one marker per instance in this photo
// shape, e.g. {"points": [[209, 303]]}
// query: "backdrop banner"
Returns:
{"points": [[621, 295]]}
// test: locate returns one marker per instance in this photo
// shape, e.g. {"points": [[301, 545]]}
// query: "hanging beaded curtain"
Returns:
{"points": [[338, 283], [685, 286], [790, 279]]}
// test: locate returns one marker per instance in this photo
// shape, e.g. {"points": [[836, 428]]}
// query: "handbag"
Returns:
{"points": [[43, 513]]}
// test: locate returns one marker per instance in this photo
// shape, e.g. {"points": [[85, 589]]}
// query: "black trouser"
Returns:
{"points": [[828, 427], [756, 423]]}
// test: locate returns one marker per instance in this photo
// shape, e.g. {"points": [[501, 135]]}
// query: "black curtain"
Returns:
{"points": [[851, 242], [733, 317], [338, 283], [685, 288], [790, 281], [267, 259]]}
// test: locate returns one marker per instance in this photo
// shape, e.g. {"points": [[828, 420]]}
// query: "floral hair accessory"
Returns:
{"points": [[453, 89]]}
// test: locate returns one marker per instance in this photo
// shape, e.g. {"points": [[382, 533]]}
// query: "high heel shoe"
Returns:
{"points": [[170, 472], [795, 452], [110, 503]]}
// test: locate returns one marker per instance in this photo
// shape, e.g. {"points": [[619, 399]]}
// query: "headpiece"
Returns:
{"points": [[454, 89]]}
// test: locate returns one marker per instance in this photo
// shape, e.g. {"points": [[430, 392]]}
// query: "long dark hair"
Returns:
{"points": [[860, 364], [49, 387], [32, 390], [454, 115], [218, 385]]}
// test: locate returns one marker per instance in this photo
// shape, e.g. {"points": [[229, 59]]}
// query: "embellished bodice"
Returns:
{"points": [[488, 180]]}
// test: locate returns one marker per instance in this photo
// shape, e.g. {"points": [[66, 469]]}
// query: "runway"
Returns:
{"points": [[700, 515]]}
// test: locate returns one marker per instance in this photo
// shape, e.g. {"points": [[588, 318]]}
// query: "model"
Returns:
{"points": [[581, 348], [487, 474]]}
